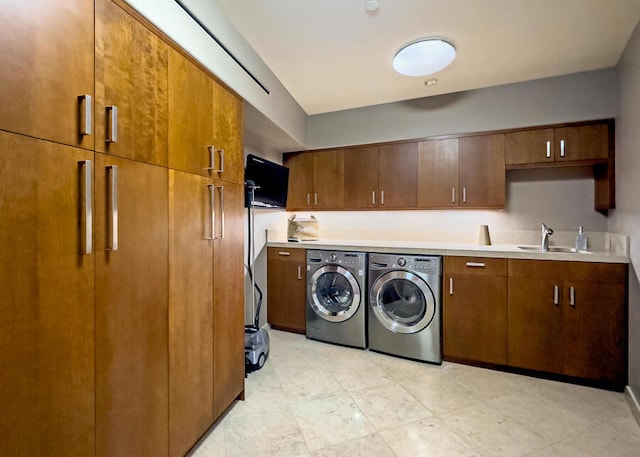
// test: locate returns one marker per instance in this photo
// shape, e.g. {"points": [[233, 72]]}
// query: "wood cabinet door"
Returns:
{"points": [[482, 171], [398, 175], [228, 297], [46, 302], [131, 310], [328, 179], [190, 311], [361, 178], [585, 142], [535, 324], [47, 64], [475, 309], [287, 286], [227, 135], [594, 337], [529, 147], [300, 192], [438, 173], [190, 116], [131, 87]]}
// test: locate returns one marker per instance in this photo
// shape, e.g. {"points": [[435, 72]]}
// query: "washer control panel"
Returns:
{"points": [[346, 259], [420, 264]]}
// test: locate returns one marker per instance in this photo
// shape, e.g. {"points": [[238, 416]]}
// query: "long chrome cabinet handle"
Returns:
{"points": [[308, 199], [284, 253], [315, 198], [382, 197], [450, 286], [476, 264], [86, 246], [212, 157], [561, 148], [464, 195], [221, 189], [300, 272], [556, 295], [548, 149], [373, 197], [572, 296], [112, 124], [212, 196], [86, 122], [113, 203], [453, 195]]}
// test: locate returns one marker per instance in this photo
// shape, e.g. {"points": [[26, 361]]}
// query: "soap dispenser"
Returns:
{"points": [[581, 240]]}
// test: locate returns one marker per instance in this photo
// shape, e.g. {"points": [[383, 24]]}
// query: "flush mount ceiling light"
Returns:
{"points": [[372, 5], [424, 57]]}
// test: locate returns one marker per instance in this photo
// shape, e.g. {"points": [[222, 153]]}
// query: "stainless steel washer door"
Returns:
{"points": [[402, 302], [334, 294]]}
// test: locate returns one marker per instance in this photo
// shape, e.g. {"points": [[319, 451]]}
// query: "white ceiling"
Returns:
{"points": [[333, 54]]}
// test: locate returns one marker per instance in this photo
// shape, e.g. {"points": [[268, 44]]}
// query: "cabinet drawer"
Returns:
{"points": [[475, 266], [568, 271], [286, 254]]}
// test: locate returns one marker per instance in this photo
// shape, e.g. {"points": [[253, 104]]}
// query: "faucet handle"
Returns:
{"points": [[545, 229]]}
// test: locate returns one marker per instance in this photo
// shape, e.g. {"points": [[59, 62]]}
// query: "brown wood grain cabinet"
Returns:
{"points": [[466, 172], [205, 123], [46, 302], [131, 302], [228, 299], [569, 318], [287, 285], [190, 310], [316, 180], [475, 309], [47, 63], [558, 145], [131, 106], [381, 177]]}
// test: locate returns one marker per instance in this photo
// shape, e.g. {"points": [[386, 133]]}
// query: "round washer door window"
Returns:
{"points": [[334, 294], [402, 302]]}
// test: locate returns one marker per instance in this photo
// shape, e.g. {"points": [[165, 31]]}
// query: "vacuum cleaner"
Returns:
{"points": [[256, 339]]}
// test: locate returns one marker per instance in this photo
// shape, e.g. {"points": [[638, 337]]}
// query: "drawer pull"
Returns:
{"points": [[300, 272], [475, 264], [450, 286], [556, 295], [285, 253], [572, 296]]}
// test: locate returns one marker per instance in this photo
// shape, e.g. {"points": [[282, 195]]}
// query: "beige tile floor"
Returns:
{"points": [[317, 399]]}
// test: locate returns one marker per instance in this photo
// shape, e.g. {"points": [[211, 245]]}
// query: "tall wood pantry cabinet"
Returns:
{"points": [[121, 300]]}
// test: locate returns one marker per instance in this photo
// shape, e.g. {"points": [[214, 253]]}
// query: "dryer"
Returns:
{"points": [[405, 312], [336, 294]]}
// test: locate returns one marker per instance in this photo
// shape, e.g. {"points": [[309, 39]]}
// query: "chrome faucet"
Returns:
{"points": [[546, 231]]}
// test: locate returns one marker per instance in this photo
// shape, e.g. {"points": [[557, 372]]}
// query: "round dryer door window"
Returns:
{"points": [[334, 294], [402, 302]]}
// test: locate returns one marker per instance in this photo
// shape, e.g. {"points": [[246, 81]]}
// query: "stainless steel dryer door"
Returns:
{"points": [[402, 302], [334, 293]]}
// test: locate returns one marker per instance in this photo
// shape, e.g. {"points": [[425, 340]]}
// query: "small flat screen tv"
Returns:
{"points": [[271, 180]]}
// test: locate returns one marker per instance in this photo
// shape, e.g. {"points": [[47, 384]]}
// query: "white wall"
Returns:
{"points": [[626, 217], [581, 96]]}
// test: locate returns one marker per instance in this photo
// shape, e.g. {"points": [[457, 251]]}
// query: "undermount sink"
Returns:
{"points": [[553, 249]]}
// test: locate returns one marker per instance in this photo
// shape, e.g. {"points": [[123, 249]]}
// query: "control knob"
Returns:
{"points": [[401, 262], [333, 257]]}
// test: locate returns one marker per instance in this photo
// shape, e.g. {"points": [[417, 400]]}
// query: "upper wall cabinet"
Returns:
{"points": [[315, 180], [462, 173], [131, 87], [205, 133], [381, 177], [557, 145], [46, 70]]}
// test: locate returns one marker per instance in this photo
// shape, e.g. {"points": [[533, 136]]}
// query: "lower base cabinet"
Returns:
{"points": [[286, 289], [475, 309], [569, 318]]}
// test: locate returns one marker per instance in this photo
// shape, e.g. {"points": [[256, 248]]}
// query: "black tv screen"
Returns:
{"points": [[271, 180]]}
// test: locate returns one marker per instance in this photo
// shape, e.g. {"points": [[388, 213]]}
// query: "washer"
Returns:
{"points": [[405, 306], [336, 294]]}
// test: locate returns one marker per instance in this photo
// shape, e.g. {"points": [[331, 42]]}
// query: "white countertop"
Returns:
{"points": [[509, 251]]}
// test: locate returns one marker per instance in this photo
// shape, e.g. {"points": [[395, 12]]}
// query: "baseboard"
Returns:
{"points": [[634, 404]]}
